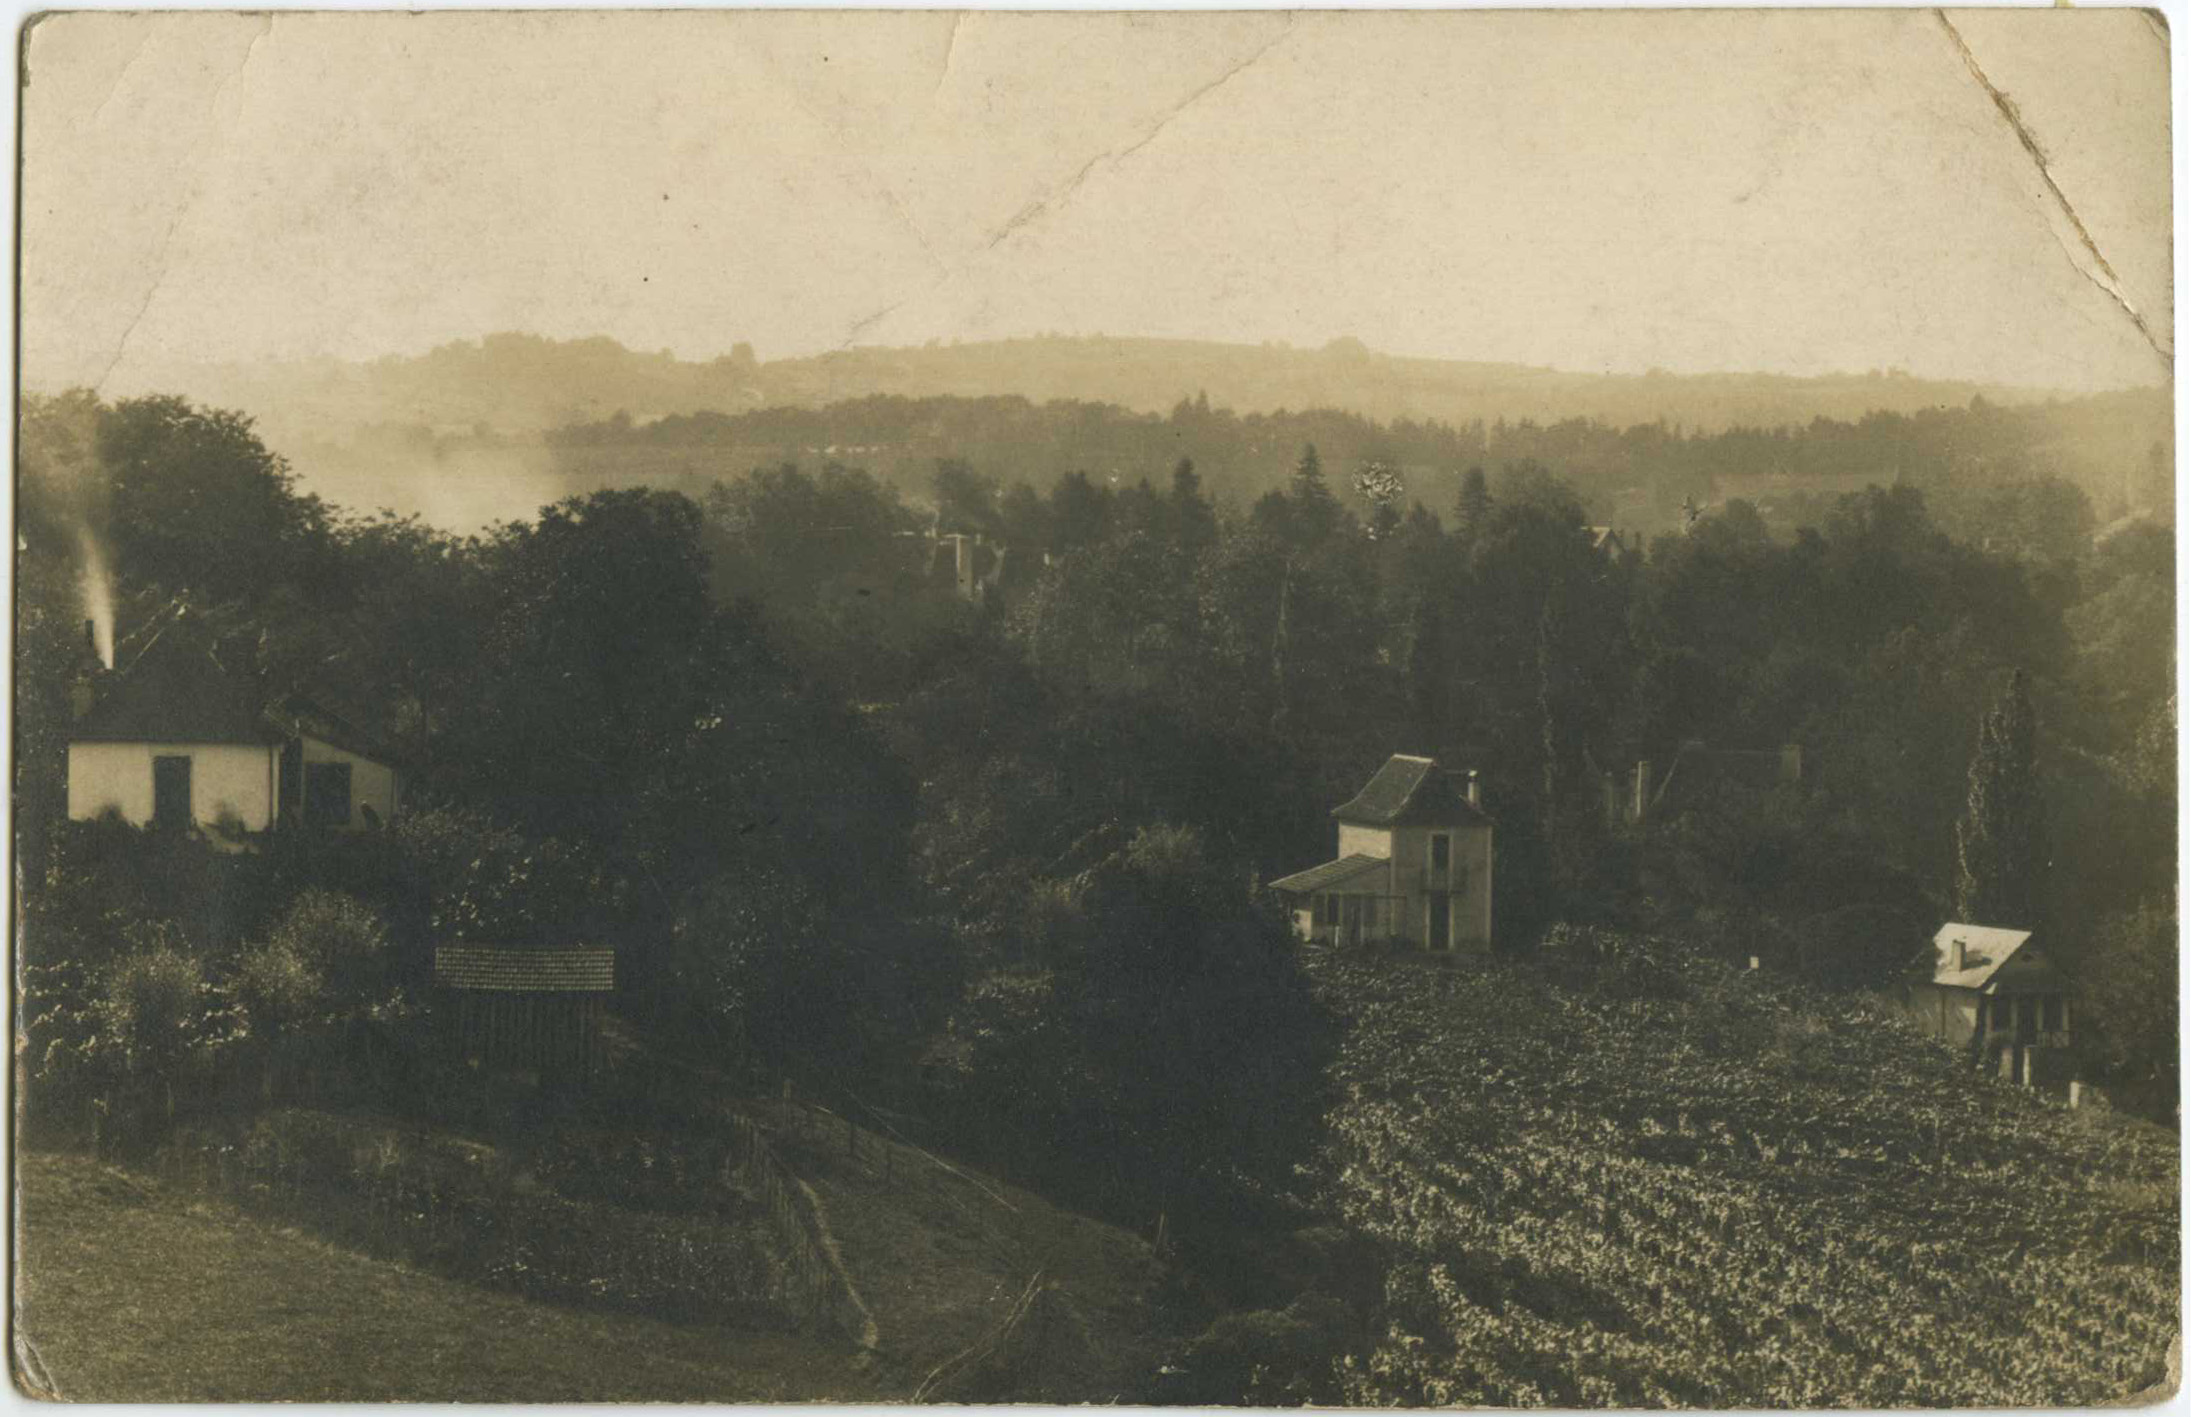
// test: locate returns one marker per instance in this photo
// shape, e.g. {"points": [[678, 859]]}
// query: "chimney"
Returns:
{"points": [[83, 685], [1643, 790], [1955, 954], [1475, 789], [963, 565]]}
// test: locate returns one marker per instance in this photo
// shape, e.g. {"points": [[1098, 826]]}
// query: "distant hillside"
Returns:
{"points": [[1662, 1182], [514, 383], [475, 432]]}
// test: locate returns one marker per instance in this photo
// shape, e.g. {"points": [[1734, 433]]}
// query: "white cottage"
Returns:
{"points": [[1413, 865], [179, 740], [1994, 993]]}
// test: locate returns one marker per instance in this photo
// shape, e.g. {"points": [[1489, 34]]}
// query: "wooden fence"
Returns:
{"points": [[815, 1287], [540, 1244]]}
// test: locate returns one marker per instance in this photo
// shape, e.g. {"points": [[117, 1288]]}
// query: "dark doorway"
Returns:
{"points": [[292, 777], [327, 794], [171, 792], [1441, 922]]}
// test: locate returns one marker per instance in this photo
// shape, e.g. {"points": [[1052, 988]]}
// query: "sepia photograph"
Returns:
{"points": [[1346, 709]]}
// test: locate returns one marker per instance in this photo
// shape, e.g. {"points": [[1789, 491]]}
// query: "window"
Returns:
{"points": [[327, 794], [1441, 853], [171, 791]]}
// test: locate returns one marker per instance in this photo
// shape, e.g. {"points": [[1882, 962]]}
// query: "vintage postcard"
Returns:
{"points": [[1344, 708]]}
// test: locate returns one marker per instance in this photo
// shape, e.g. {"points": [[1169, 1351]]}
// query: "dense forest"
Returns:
{"points": [[1986, 469], [1000, 857]]}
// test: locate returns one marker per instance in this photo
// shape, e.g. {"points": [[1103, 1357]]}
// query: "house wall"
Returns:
{"points": [[225, 778], [371, 784], [1948, 1014], [1467, 883], [1365, 841]]}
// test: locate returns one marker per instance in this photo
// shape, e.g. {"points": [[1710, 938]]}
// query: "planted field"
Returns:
{"points": [[130, 1291], [1675, 1184]]}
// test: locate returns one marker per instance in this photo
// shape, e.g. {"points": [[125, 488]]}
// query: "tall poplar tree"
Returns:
{"points": [[2000, 845], [1473, 507]]}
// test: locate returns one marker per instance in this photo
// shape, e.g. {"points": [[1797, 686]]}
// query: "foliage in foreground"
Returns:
{"points": [[1668, 1183]]}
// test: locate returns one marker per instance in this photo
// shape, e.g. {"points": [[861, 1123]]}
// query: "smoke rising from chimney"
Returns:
{"points": [[98, 587]]}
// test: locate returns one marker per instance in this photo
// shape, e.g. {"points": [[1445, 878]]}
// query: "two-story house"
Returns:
{"points": [[1413, 865]]}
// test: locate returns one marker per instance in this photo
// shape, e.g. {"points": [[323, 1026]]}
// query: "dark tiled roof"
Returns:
{"points": [[1331, 873], [317, 713], [176, 692], [170, 686], [1410, 792], [505, 971]]}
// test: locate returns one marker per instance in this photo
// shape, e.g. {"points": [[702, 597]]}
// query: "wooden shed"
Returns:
{"points": [[530, 1011]]}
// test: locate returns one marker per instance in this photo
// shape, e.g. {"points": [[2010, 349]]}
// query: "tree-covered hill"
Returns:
{"points": [[457, 433], [520, 383], [1652, 1180]]}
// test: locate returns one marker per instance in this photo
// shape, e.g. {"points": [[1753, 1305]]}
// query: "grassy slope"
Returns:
{"points": [[1688, 1185], [130, 1292], [941, 1254]]}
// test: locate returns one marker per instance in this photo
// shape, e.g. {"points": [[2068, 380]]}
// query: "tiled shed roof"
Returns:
{"points": [[509, 971]]}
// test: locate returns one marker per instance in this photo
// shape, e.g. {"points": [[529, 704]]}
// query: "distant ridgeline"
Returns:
{"points": [[1635, 446], [2116, 448]]}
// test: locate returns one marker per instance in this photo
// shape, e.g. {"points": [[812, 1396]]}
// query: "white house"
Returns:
{"points": [[1413, 865], [178, 739], [1994, 993]]}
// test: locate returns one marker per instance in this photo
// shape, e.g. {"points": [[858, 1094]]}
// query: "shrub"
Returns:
{"points": [[153, 1004], [335, 937], [277, 986]]}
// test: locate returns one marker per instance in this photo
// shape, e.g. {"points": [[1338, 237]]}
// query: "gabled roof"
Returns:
{"points": [[1331, 873], [514, 971], [1409, 791], [170, 686], [316, 713], [1992, 956], [176, 691]]}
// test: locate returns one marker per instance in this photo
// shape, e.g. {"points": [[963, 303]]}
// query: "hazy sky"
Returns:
{"points": [[1788, 191]]}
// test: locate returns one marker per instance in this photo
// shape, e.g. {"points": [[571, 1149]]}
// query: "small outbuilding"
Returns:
{"points": [[525, 1011]]}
